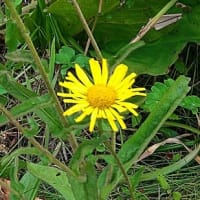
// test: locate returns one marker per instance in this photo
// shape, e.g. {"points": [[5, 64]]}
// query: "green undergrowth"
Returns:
{"points": [[46, 155]]}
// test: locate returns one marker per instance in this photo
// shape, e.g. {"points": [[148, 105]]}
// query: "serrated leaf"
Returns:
{"points": [[65, 55], [191, 103], [157, 91]]}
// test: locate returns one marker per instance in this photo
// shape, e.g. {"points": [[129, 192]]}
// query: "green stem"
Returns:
{"points": [[40, 67], [87, 29], [184, 126], [93, 26], [153, 21], [132, 194], [51, 158]]}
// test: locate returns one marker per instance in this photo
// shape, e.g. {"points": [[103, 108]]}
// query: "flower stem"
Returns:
{"points": [[153, 21], [93, 26], [132, 193], [184, 126], [40, 67], [51, 158], [87, 29]]}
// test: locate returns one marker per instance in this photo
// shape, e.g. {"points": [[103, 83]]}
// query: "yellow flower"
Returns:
{"points": [[102, 97]]}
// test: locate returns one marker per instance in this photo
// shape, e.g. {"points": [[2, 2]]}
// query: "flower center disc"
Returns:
{"points": [[101, 96]]}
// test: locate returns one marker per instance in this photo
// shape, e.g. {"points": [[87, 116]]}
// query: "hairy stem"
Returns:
{"points": [[132, 194], [25, 34], [93, 26], [87, 29]]}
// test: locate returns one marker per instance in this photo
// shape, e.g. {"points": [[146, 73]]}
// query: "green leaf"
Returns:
{"points": [[163, 182], [57, 179], [31, 185], [65, 55], [52, 61], [177, 196], [67, 18], [162, 47], [11, 36], [88, 189], [85, 149], [157, 91], [135, 145], [191, 103]]}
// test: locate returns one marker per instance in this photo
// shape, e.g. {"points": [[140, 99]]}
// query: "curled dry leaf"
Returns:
{"points": [[174, 140], [4, 189]]}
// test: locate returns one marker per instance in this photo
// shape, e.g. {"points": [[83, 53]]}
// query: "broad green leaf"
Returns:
{"points": [[54, 177], [88, 189], [145, 60], [137, 143], [162, 47], [67, 18]]}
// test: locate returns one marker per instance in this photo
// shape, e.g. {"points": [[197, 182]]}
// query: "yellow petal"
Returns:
{"points": [[130, 107], [77, 101], [75, 108], [118, 75], [138, 89], [71, 95], [139, 94], [82, 76], [95, 70], [110, 119], [123, 95], [72, 78], [86, 112], [118, 117], [93, 119], [118, 107], [127, 82], [104, 78], [73, 87]]}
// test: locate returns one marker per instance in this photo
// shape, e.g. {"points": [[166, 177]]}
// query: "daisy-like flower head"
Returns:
{"points": [[102, 97]]}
